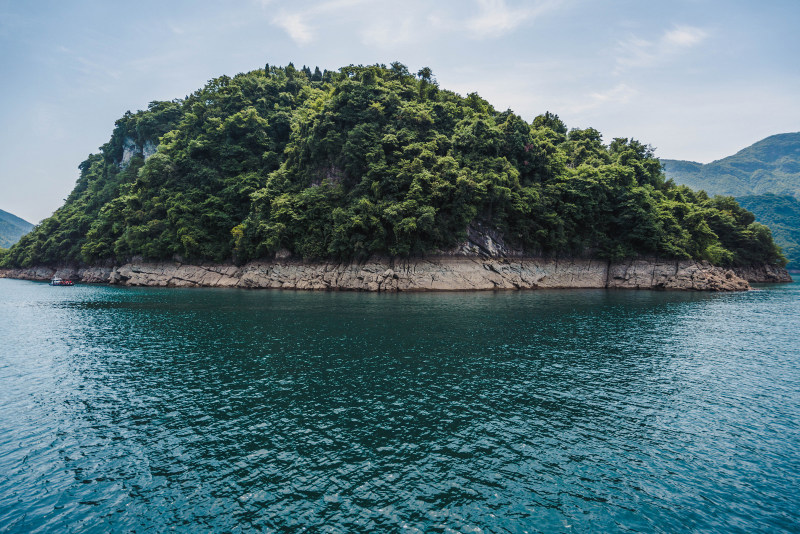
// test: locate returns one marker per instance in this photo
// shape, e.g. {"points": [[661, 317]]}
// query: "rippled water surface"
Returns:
{"points": [[545, 411]]}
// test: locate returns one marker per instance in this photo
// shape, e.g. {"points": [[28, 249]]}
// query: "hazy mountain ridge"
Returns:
{"points": [[12, 228], [771, 165]]}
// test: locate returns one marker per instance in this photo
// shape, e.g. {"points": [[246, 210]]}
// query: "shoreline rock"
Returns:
{"points": [[439, 273], [764, 274]]}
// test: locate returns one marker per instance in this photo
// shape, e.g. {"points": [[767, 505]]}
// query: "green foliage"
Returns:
{"points": [[372, 160]]}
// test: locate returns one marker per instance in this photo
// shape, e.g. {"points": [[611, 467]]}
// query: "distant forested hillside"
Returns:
{"points": [[372, 160], [771, 165], [12, 228], [764, 178]]}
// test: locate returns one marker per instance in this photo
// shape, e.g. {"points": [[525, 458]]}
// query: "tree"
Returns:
{"points": [[550, 120], [425, 74]]}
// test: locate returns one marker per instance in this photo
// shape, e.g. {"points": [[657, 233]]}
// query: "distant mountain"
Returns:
{"points": [[12, 228], [764, 178], [771, 165]]}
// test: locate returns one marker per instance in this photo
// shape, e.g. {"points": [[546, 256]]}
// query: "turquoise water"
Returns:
{"points": [[257, 411]]}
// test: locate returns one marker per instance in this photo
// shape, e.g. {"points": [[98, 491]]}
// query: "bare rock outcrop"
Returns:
{"points": [[485, 242], [700, 276], [439, 273], [763, 273], [131, 149]]}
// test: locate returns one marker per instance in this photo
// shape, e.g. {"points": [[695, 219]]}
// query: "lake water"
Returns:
{"points": [[258, 411]]}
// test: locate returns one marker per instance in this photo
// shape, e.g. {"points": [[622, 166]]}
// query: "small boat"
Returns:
{"points": [[60, 282]]}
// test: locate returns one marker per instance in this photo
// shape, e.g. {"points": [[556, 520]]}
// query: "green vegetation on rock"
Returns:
{"points": [[373, 160]]}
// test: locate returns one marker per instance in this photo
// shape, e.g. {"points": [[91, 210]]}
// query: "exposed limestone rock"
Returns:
{"points": [[283, 254], [485, 242], [441, 273], [131, 149], [674, 275], [763, 273], [148, 149]]}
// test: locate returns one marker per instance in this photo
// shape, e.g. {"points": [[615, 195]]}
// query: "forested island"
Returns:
{"points": [[374, 161]]}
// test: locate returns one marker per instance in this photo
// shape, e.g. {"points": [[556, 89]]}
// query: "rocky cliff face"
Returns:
{"points": [[763, 274], [484, 242], [130, 149], [441, 273]]}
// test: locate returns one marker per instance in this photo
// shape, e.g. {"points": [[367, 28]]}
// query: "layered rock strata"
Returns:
{"points": [[763, 274], [441, 273]]}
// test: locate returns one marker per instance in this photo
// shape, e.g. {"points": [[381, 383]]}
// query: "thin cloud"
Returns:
{"points": [[496, 18], [295, 26], [386, 24], [636, 52], [620, 94], [387, 35], [684, 36]]}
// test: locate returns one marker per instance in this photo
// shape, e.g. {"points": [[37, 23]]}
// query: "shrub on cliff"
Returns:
{"points": [[373, 160]]}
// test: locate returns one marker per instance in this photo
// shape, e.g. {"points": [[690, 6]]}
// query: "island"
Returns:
{"points": [[375, 178]]}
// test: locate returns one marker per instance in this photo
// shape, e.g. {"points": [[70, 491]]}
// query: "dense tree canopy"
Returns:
{"points": [[373, 160]]}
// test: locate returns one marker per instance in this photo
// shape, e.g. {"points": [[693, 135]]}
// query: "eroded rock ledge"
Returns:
{"points": [[442, 273]]}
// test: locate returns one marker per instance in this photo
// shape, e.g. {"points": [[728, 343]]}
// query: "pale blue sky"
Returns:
{"points": [[697, 79]]}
